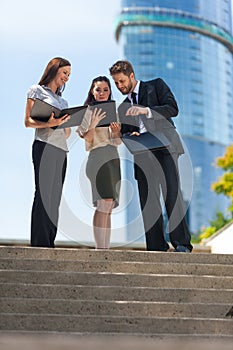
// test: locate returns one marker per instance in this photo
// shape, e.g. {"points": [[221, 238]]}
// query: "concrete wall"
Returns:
{"points": [[222, 242]]}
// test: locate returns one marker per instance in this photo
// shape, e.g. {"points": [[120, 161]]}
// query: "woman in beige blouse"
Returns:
{"points": [[103, 165]]}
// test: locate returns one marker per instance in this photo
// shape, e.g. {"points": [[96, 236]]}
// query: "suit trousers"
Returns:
{"points": [[49, 168], [157, 176]]}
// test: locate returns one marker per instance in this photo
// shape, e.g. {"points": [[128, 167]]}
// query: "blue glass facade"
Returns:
{"points": [[190, 45]]}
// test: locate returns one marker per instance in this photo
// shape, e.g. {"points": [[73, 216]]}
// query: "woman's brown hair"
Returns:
{"points": [[51, 71], [90, 98]]}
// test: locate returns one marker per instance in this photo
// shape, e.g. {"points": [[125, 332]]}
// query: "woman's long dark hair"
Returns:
{"points": [[90, 98], [51, 71]]}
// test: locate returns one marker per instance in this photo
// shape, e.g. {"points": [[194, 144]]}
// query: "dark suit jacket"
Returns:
{"points": [[157, 95]]}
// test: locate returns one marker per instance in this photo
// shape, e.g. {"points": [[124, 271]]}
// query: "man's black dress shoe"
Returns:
{"points": [[182, 249]]}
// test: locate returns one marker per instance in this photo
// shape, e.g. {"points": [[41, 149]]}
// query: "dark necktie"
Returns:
{"points": [[136, 118], [133, 98]]}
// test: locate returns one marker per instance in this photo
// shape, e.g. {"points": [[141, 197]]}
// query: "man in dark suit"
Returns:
{"points": [[149, 107]]}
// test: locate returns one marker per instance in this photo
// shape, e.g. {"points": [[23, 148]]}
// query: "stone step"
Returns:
{"points": [[113, 341], [112, 255], [120, 293], [113, 308], [104, 324], [115, 279], [116, 267], [87, 291]]}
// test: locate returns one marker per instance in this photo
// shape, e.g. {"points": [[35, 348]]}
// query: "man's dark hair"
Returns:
{"points": [[124, 67]]}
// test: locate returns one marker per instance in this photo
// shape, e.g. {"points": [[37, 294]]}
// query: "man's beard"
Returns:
{"points": [[129, 88]]}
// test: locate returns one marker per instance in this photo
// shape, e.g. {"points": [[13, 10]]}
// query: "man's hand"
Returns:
{"points": [[135, 133], [137, 110]]}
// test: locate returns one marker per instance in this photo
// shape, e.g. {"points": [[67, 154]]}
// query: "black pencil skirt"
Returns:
{"points": [[103, 171]]}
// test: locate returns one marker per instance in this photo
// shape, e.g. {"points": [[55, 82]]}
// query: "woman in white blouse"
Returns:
{"points": [[49, 152]]}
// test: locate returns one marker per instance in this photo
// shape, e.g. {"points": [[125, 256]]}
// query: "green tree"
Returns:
{"points": [[218, 222], [224, 185]]}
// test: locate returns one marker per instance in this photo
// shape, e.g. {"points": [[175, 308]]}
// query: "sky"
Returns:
{"points": [[31, 34]]}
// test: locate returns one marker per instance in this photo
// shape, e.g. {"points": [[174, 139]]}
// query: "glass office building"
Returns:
{"points": [[189, 44]]}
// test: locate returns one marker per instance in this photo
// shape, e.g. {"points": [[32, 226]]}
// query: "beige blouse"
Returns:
{"points": [[102, 135]]}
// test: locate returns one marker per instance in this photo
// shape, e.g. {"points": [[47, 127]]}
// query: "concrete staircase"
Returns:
{"points": [[115, 292]]}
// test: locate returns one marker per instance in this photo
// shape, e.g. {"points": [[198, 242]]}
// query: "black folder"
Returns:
{"points": [[145, 141], [42, 111], [110, 108]]}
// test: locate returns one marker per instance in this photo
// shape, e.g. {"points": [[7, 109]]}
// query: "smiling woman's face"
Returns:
{"points": [[62, 75]]}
